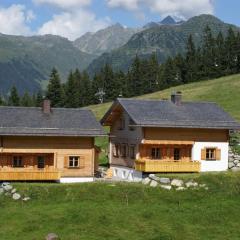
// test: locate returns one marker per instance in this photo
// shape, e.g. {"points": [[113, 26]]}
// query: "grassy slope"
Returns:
{"points": [[125, 211], [224, 91]]}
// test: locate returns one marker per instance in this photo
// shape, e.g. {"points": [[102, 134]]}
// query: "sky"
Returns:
{"points": [[73, 18]]}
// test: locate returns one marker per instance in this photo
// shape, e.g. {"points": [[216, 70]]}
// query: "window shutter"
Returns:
{"points": [[66, 162], [218, 154], [203, 154]]}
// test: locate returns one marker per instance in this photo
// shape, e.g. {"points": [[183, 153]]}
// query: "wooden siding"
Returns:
{"points": [[185, 134], [165, 167], [14, 174], [59, 148]]}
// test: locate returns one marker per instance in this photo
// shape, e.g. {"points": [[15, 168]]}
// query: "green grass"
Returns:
{"points": [[125, 211], [224, 91]]}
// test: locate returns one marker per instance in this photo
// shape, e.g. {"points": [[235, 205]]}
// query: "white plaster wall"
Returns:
{"points": [[76, 180], [208, 166], [127, 174]]}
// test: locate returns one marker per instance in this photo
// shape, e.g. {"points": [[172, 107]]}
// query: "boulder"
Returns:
{"points": [[16, 196], [154, 177], [52, 236], [146, 181], [153, 183], [7, 187], [191, 184], [26, 199], [180, 188], [14, 190], [231, 165], [202, 185], [235, 162], [5, 184], [167, 187], [1, 191], [165, 180], [177, 183]]}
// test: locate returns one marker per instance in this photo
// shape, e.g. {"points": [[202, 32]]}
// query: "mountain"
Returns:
{"points": [[164, 40], [26, 62], [104, 40], [168, 21]]}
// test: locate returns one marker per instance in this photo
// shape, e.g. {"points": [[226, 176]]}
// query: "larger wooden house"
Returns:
{"points": [[167, 136], [48, 144]]}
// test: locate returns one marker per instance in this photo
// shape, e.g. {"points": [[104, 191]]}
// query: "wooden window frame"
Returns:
{"points": [[213, 154], [74, 160], [124, 154], [116, 150], [17, 159], [177, 156], [132, 151], [156, 153], [121, 123]]}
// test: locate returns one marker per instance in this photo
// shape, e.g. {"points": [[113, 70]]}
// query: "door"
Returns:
{"points": [[41, 162]]}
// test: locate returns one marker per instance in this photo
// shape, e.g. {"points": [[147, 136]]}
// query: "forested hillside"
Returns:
{"points": [[164, 40]]}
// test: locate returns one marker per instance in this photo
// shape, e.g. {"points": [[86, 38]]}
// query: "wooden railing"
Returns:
{"points": [[148, 165], [17, 174]]}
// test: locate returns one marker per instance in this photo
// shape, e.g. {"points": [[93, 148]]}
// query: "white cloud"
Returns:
{"points": [[73, 24], [180, 8], [183, 9], [131, 5], [14, 20], [65, 3]]}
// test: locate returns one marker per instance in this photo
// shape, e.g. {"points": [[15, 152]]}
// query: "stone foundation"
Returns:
{"points": [[233, 161]]}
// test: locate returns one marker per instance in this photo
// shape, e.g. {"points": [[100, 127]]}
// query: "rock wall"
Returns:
{"points": [[233, 161]]}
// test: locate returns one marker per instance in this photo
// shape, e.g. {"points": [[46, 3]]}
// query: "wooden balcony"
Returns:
{"points": [[21, 174], [148, 165]]}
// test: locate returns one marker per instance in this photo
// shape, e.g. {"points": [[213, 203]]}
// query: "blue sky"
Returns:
{"points": [[72, 18]]}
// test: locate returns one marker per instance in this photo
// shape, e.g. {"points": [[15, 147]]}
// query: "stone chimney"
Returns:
{"points": [[46, 107], [176, 98]]}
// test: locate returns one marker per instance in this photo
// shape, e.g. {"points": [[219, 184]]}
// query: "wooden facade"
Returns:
{"points": [[46, 158]]}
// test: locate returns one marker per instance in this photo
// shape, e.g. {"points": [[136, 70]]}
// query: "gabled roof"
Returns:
{"points": [[32, 121], [164, 113]]}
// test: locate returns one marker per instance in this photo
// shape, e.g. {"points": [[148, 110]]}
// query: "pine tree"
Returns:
{"points": [[26, 100], [1, 101], [190, 62], [86, 90], [39, 99], [55, 90], [71, 92], [14, 99]]}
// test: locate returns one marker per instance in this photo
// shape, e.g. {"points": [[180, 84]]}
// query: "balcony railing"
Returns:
{"points": [[148, 165], [21, 174]]}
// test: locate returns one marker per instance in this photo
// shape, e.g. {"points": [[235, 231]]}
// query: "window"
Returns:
{"points": [[156, 153], [131, 128], [121, 123], [74, 162], [17, 161], [116, 149], [176, 154], [211, 154], [41, 162], [124, 150], [132, 152]]}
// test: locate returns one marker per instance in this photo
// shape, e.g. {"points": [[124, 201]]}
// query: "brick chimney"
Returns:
{"points": [[176, 98], [46, 107]]}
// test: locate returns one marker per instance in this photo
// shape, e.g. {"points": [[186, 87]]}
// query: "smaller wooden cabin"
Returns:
{"points": [[167, 136], [48, 144]]}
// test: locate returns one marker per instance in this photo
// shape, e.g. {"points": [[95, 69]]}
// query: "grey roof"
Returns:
{"points": [[60, 122], [164, 113]]}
